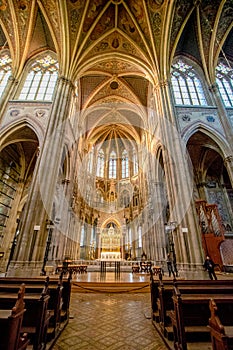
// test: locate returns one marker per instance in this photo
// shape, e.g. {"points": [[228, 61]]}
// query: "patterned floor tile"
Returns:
{"points": [[110, 322]]}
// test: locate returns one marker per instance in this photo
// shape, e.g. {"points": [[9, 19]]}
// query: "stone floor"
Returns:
{"points": [[102, 321], [113, 321]]}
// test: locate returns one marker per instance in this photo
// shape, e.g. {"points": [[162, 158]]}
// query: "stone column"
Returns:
{"points": [[178, 178], [30, 250], [8, 93]]}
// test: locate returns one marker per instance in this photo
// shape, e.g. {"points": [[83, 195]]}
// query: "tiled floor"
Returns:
{"points": [[110, 321], [113, 321]]}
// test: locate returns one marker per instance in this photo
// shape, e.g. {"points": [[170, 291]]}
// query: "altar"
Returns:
{"points": [[110, 243], [110, 256]]}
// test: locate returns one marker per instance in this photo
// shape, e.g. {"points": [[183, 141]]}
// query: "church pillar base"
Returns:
{"points": [[24, 269]]}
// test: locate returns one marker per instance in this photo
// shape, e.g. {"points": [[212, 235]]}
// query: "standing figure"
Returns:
{"points": [[170, 266], [209, 266]]}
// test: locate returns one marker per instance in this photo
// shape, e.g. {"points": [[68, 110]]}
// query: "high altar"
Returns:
{"points": [[110, 244]]}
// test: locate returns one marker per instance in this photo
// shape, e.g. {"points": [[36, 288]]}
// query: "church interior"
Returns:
{"points": [[116, 138]]}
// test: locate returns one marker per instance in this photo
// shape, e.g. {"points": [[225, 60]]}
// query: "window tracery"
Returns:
{"points": [[112, 165], [125, 165], [41, 80], [186, 85], [100, 163], [224, 79], [5, 71]]}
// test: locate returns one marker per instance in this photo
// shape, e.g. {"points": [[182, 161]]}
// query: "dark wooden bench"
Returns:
{"points": [[11, 337], [36, 284], [190, 317], [36, 317], [221, 326], [162, 298], [154, 290], [165, 305]]}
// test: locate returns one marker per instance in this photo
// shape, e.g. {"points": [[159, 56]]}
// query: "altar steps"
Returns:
{"points": [[110, 287]]}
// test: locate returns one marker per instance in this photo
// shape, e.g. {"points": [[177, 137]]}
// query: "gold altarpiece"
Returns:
{"points": [[111, 243]]}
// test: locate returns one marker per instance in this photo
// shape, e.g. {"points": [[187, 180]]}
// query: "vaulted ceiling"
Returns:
{"points": [[117, 49]]}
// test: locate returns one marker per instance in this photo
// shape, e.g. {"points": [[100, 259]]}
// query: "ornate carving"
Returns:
{"points": [[39, 113]]}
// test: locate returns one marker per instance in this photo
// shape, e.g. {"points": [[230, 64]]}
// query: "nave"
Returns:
{"points": [[116, 321]]}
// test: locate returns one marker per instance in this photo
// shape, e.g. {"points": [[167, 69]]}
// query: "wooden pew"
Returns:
{"points": [[221, 327], [154, 290], [38, 282], [11, 337], [59, 290], [191, 313], [165, 305], [36, 317], [162, 298]]}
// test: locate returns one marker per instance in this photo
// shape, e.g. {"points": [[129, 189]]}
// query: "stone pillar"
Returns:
{"points": [[178, 178], [158, 202], [30, 249], [8, 93]]}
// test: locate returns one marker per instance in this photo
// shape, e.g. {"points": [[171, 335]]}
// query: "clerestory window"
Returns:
{"points": [[224, 79], [112, 165], [186, 85], [125, 165], [41, 80], [5, 71], [100, 163]]}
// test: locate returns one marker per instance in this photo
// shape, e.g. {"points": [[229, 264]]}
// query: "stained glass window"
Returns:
{"points": [[5, 71], [186, 85], [112, 165], [224, 79], [100, 164], [125, 164], [41, 80]]}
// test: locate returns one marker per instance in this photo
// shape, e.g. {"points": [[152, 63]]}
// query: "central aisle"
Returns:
{"points": [[117, 321]]}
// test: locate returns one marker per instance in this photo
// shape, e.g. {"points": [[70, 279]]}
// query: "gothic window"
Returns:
{"points": [[5, 71], [186, 85], [125, 165], [41, 80], [224, 78], [100, 163], [112, 165]]}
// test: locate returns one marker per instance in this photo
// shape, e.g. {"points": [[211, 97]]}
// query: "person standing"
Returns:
{"points": [[209, 266], [170, 266]]}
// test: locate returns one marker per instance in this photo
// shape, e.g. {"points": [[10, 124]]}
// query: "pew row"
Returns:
{"points": [[221, 327], [54, 293], [163, 316], [37, 283], [11, 337], [190, 317], [36, 317]]}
